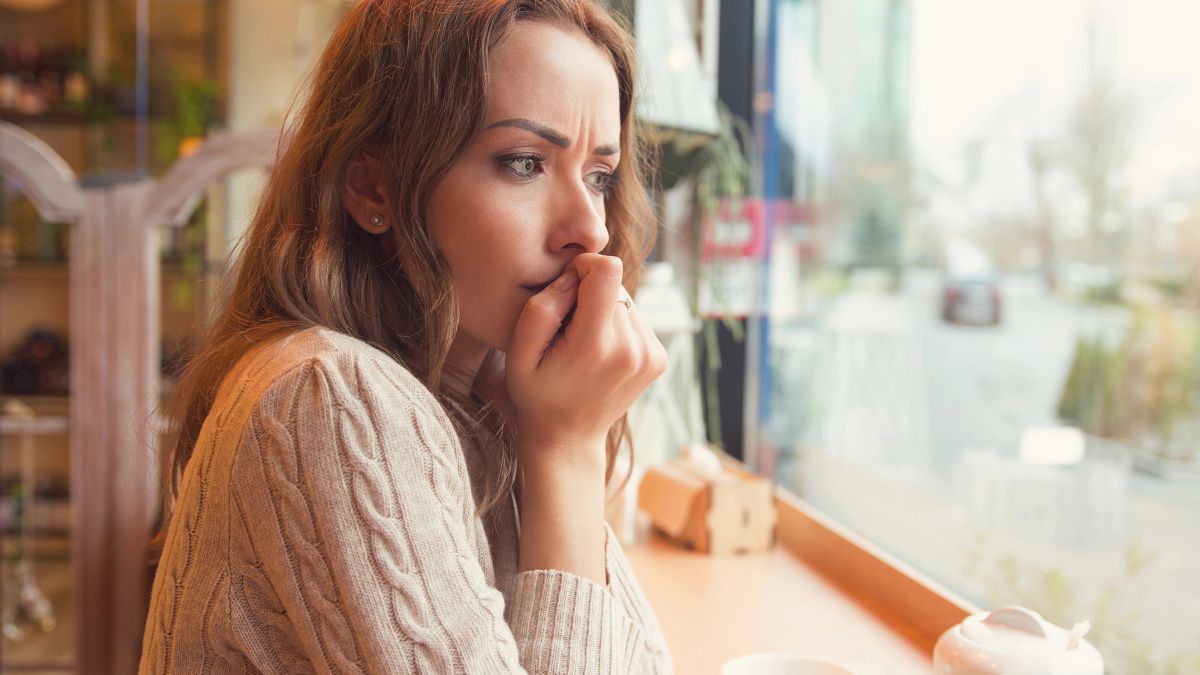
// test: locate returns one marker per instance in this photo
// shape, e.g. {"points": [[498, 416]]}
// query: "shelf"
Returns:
{"points": [[38, 426], [176, 270], [49, 520], [49, 117], [45, 544], [41, 533], [42, 405], [41, 540], [68, 116], [28, 269]]}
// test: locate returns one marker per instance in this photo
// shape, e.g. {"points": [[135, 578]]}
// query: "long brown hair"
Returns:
{"points": [[406, 80]]}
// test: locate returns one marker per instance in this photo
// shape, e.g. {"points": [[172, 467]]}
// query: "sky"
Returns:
{"points": [[1008, 70]]}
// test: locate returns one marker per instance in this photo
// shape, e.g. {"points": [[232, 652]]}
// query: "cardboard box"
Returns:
{"points": [[715, 507]]}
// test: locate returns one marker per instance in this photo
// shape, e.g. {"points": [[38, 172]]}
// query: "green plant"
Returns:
{"points": [[724, 172], [1108, 292], [181, 293], [1142, 389], [1172, 287], [727, 169], [721, 169], [1083, 401], [194, 110], [1119, 628]]}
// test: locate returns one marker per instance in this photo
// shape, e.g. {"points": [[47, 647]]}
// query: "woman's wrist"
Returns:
{"points": [[562, 511], [556, 453]]}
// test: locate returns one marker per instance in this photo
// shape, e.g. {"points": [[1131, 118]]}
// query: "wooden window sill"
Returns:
{"points": [[822, 592]]}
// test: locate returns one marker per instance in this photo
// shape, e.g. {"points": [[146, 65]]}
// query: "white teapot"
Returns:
{"points": [[1015, 641]]}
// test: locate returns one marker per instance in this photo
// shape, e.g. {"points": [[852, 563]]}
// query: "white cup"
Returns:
{"points": [[780, 664]]}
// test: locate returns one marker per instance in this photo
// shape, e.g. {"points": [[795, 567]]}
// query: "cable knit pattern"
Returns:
{"points": [[326, 523]]}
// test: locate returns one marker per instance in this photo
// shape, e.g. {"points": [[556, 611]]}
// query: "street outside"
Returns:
{"points": [[907, 429]]}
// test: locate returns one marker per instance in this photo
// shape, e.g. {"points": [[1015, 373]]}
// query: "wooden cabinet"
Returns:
{"points": [[112, 289]]}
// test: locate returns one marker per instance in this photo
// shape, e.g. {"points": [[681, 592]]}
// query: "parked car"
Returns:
{"points": [[972, 298]]}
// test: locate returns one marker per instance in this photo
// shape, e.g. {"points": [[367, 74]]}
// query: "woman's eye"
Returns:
{"points": [[601, 181], [525, 166]]}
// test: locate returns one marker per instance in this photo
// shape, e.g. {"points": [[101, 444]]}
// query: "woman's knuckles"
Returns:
{"points": [[658, 359], [627, 360]]}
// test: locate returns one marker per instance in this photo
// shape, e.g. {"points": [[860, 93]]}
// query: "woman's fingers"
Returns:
{"points": [[646, 353], [599, 288], [539, 322]]}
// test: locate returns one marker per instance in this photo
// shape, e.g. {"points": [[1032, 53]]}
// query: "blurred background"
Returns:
{"points": [[932, 265]]}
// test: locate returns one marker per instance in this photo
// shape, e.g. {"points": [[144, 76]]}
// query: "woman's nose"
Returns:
{"points": [[579, 222]]}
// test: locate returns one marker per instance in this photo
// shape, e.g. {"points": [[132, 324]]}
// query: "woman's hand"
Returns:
{"points": [[569, 388]]}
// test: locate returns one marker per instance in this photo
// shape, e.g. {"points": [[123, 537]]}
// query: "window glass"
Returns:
{"points": [[983, 343]]}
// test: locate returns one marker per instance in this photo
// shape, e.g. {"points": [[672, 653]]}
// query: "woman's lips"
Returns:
{"points": [[537, 288]]}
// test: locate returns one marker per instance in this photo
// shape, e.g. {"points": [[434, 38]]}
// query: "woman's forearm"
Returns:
{"points": [[562, 517]]}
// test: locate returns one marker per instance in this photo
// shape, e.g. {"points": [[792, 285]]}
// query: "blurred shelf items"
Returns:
{"points": [[102, 93]]}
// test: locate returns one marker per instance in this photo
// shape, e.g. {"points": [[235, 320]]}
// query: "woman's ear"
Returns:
{"points": [[362, 193]]}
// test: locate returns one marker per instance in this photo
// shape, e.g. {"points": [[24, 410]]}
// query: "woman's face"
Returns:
{"points": [[528, 194]]}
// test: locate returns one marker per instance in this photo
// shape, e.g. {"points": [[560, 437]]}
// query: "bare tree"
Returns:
{"points": [[1099, 140], [1039, 155]]}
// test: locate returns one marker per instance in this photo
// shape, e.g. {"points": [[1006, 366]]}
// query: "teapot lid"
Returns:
{"points": [[1019, 640]]}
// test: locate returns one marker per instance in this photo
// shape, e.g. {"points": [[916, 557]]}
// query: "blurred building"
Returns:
{"points": [[839, 134]]}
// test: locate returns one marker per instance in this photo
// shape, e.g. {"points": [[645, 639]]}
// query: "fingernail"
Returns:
{"points": [[566, 281]]}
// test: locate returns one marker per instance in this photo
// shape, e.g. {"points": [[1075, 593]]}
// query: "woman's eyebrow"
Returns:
{"points": [[549, 134]]}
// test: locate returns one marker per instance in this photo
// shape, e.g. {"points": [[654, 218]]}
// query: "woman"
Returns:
{"points": [[393, 451]]}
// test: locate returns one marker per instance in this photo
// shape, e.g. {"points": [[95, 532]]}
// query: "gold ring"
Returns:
{"points": [[626, 301]]}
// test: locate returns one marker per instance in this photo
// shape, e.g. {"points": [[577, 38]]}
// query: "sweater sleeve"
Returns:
{"points": [[364, 528]]}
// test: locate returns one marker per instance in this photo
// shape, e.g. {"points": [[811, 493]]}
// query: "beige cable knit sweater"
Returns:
{"points": [[326, 523]]}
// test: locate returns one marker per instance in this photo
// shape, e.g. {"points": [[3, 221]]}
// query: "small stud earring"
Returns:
{"points": [[376, 220]]}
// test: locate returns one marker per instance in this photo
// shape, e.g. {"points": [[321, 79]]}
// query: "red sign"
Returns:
{"points": [[739, 230], [737, 233]]}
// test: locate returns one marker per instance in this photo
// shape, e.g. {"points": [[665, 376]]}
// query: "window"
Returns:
{"points": [[983, 298]]}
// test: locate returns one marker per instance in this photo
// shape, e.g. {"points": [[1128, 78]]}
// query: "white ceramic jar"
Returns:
{"points": [[1015, 641]]}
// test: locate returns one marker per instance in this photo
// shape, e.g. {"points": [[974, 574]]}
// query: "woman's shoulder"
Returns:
{"points": [[269, 370]]}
